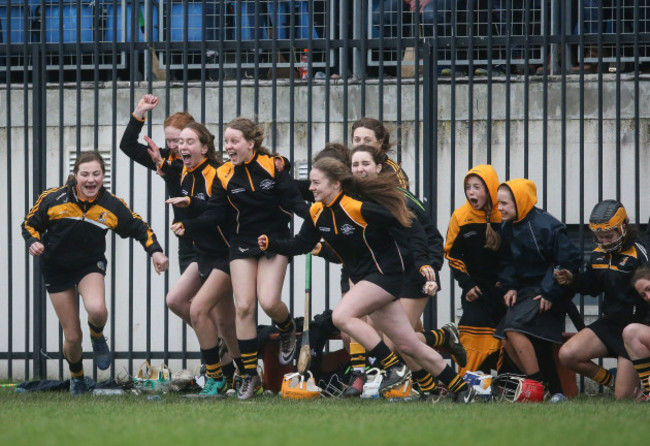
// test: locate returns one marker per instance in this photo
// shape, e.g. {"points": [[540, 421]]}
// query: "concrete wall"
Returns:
{"points": [[601, 111]]}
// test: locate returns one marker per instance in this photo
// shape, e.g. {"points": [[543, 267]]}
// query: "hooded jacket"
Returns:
{"points": [[471, 263], [535, 243]]}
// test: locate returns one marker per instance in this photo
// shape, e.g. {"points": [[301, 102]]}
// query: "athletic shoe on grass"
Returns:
{"points": [[251, 385], [394, 376], [79, 386], [355, 386], [214, 387]]}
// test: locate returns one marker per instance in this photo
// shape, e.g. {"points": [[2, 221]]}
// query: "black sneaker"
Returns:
{"points": [[79, 386], [466, 396], [394, 376], [355, 386], [453, 344], [103, 355], [287, 345]]}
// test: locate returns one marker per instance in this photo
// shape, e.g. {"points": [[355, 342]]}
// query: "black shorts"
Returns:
{"points": [[59, 278], [610, 333], [186, 253], [242, 247], [412, 288], [207, 263], [391, 283]]}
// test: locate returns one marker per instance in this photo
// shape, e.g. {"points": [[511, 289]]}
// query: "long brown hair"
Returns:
{"points": [[380, 190], [87, 157], [205, 138], [252, 132], [379, 158]]}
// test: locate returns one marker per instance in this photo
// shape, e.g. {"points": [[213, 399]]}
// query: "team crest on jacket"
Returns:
{"points": [[101, 265], [200, 196], [102, 217], [347, 229], [267, 184]]}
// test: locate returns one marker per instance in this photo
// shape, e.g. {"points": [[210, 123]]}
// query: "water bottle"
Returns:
{"points": [[108, 392]]}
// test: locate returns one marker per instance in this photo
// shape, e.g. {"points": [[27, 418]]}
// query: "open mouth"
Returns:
{"points": [[186, 157], [473, 202]]}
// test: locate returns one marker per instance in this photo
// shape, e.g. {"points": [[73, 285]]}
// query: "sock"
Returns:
{"points": [[357, 357], [228, 371], [425, 381], [435, 338], [642, 367], [537, 376], [248, 349], [452, 380], [76, 369], [286, 325], [212, 362], [603, 377], [384, 355], [95, 331]]}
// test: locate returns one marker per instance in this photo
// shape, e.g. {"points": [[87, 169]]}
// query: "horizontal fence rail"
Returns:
{"points": [[548, 90]]}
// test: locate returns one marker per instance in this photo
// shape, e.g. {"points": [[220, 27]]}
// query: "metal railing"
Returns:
{"points": [[580, 136]]}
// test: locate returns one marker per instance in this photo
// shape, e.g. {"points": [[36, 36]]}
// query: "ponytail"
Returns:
{"points": [[492, 239]]}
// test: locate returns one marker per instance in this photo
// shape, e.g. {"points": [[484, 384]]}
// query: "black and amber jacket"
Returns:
{"points": [[359, 232], [471, 263], [74, 231], [610, 273], [261, 198], [534, 244], [197, 184]]}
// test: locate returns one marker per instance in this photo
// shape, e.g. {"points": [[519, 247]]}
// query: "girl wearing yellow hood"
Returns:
{"points": [[472, 249], [535, 243]]}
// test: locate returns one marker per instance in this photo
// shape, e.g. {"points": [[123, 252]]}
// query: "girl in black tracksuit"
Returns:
{"points": [[211, 310], [609, 271], [164, 161], [359, 231], [257, 189], [67, 228]]}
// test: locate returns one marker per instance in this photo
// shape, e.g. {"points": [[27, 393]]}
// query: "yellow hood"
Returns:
{"points": [[491, 180], [524, 192]]}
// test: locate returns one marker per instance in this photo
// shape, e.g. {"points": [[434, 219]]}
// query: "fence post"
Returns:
{"points": [[38, 184], [429, 155]]}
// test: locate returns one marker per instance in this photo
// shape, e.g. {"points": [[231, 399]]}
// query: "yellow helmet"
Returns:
{"points": [[606, 216], [402, 391], [297, 387]]}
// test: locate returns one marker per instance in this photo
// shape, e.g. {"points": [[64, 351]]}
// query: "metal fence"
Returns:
{"points": [[488, 82]]}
